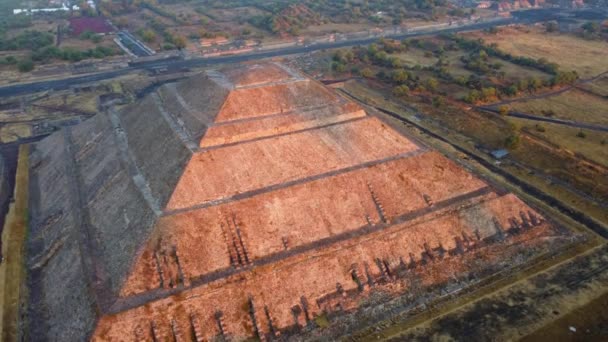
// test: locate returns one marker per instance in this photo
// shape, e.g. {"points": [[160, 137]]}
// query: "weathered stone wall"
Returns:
{"points": [[158, 151], [116, 214], [61, 306]]}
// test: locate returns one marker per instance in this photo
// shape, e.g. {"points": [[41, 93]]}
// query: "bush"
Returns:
{"points": [[431, 84], [87, 35], [503, 110], [512, 141], [581, 134], [97, 39], [367, 73], [26, 65], [338, 67], [148, 36], [539, 128], [548, 112], [551, 26], [438, 101]]}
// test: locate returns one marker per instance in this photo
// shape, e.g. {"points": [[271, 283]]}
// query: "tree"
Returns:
{"points": [[25, 65], [503, 110], [432, 84], [522, 85], [512, 141], [180, 42], [122, 22], [534, 83], [338, 67], [551, 26], [591, 27], [148, 36], [400, 76], [396, 62], [511, 90], [367, 73], [488, 93], [401, 90], [483, 55], [438, 101], [472, 97]]}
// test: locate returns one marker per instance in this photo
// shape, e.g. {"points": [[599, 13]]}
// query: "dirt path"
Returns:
{"points": [[521, 115]]}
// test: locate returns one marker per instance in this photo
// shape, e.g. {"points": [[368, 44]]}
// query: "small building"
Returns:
{"points": [[499, 154], [484, 4]]}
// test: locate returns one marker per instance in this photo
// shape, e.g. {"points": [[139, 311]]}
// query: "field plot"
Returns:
{"points": [[334, 27], [572, 105], [413, 57], [592, 145], [587, 57], [234, 14], [599, 86]]}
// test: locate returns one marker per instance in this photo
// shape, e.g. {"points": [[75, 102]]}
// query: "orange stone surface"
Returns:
{"points": [[299, 204]]}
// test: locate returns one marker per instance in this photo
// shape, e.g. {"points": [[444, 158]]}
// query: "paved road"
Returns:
{"points": [[134, 45], [529, 16]]}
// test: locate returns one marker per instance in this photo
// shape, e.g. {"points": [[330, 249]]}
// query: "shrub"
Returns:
{"points": [[512, 141], [367, 73], [26, 65], [503, 110], [401, 90]]}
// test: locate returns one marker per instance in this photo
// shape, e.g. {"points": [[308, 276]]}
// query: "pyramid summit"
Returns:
{"points": [[248, 202]]}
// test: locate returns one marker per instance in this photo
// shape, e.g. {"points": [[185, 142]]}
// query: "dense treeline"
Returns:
{"points": [[27, 40], [71, 54], [492, 50]]}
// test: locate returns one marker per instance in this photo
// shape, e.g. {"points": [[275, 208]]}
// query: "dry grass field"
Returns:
{"points": [[593, 146], [13, 234], [413, 57], [334, 27], [13, 132], [587, 57], [572, 105]]}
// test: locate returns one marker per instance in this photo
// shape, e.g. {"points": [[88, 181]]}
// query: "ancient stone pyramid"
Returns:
{"points": [[248, 202]]}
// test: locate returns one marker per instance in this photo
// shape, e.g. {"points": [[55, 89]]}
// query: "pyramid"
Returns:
{"points": [[247, 202]]}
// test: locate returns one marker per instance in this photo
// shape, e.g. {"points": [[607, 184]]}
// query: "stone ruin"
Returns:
{"points": [[248, 202]]}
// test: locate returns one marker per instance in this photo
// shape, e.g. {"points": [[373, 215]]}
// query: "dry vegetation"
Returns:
{"points": [[593, 146], [572, 105], [598, 86], [11, 269]]}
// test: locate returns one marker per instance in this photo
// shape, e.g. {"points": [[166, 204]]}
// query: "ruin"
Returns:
{"points": [[247, 202]]}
